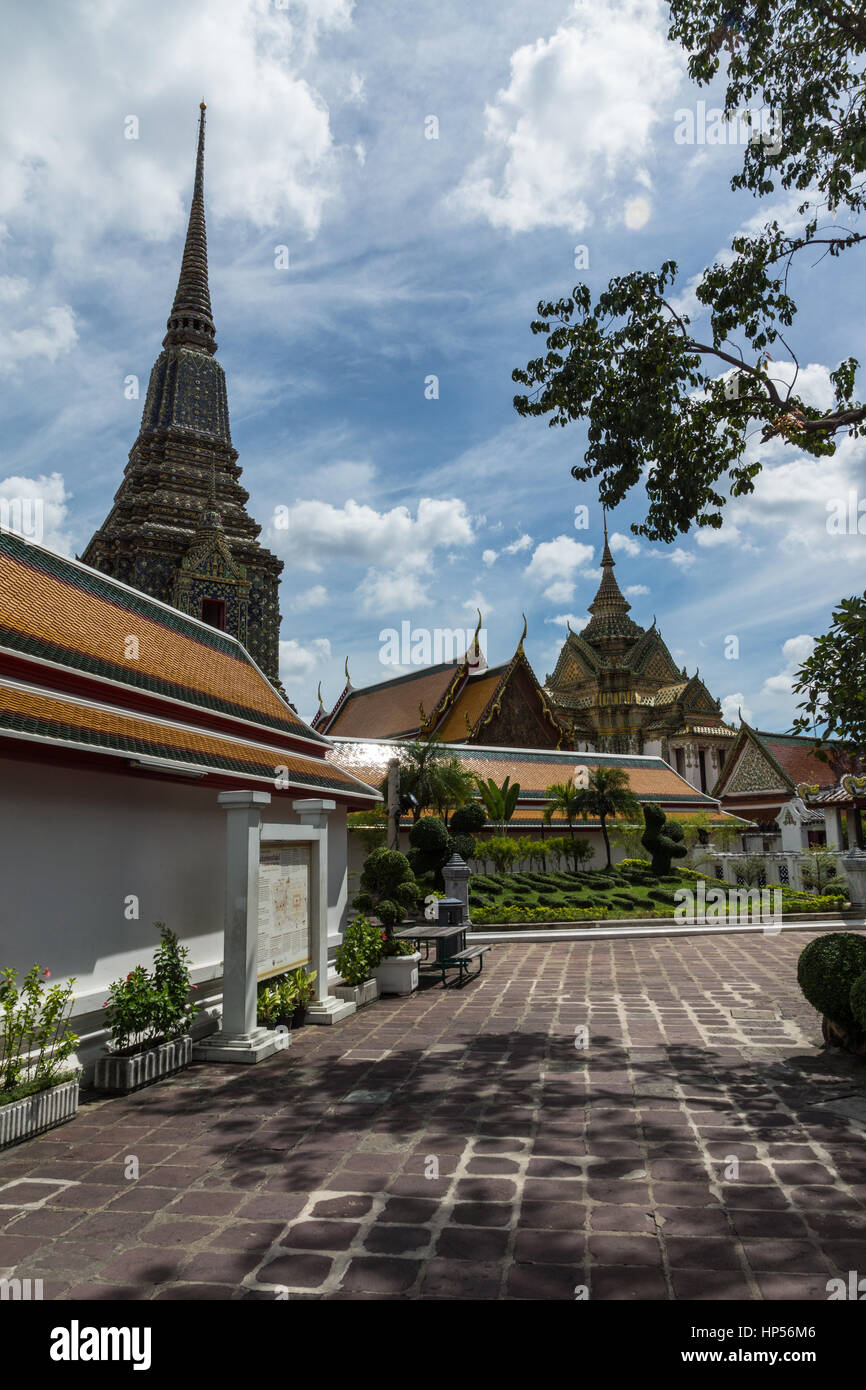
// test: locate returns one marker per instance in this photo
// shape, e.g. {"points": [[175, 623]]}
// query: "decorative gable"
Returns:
{"points": [[753, 773]]}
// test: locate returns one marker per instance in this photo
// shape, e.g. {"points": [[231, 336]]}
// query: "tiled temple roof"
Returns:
{"points": [[64, 612], [186, 697], [650, 778]]}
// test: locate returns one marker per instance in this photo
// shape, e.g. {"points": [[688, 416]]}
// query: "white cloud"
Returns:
{"points": [[562, 619], [36, 508], [638, 212], [636, 590], [478, 603], [709, 537], [297, 662], [794, 652], [391, 591], [271, 156], [628, 544], [575, 118], [347, 478], [560, 591], [683, 559], [31, 329], [732, 704], [523, 542], [556, 561], [310, 598], [319, 533]]}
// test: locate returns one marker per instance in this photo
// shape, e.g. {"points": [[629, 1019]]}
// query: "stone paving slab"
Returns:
{"points": [[697, 1143]]}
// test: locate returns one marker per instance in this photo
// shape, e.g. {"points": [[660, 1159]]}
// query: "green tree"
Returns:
{"points": [[388, 887], [628, 836], [502, 851], [370, 826], [499, 801], [663, 838], [820, 867], [832, 678], [671, 408], [606, 794], [563, 802], [431, 778]]}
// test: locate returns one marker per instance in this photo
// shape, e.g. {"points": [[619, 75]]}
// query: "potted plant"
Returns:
{"points": [[357, 957], [38, 1072], [302, 983], [149, 1017], [397, 971]]}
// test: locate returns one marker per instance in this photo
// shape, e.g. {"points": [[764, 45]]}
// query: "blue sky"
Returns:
{"points": [[409, 257]]}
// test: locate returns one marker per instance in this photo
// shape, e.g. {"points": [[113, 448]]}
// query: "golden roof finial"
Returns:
{"points": [[523, 634]]}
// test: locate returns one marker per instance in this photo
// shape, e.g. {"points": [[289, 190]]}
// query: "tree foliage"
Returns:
{"points": [[671, 408]]}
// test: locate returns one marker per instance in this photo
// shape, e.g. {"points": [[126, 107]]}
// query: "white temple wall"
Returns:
{"points": [[75, 845]]}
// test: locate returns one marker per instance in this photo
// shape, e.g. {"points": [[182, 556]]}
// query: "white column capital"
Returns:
{"points": [[313, 811], [243, 800]]}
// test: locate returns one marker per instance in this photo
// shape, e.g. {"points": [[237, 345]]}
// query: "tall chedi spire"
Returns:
{"points": [[610, 623], [179, 529], [191, 321]]}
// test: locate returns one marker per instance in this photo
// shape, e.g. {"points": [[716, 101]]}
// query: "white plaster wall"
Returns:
{"points": [[75, 844]]}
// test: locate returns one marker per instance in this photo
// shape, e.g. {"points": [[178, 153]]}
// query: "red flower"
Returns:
{"points": [[47, 974]]}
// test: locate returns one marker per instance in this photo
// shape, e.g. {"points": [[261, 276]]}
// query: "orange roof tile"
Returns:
{"points": [[391, 708], [57, 718], [66, 613]]}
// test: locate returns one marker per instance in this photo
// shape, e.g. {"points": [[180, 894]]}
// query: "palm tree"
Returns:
{"points": [[451, 786], [563, 801], [607, 793], [422, 775]]}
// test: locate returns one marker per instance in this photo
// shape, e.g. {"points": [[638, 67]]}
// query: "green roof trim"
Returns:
{"points": [[123, 743]]}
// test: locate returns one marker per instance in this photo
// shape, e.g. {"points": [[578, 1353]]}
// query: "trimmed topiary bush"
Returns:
{"points": [[857, 1002], [663, 839], [468, 820], [827, 969]]}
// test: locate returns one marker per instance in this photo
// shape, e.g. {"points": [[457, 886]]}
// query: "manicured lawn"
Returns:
{"points": [[618, 892]]}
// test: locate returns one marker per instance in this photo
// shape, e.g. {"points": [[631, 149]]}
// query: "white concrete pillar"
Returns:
{"points": [[239, 1038], [323, 1008], [833, 827]]}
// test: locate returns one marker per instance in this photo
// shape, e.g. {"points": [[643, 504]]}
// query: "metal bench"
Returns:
{"points": [[462, 961]]}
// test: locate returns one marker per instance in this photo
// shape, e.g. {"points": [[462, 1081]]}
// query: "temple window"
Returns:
{"points": [[213, 612]]}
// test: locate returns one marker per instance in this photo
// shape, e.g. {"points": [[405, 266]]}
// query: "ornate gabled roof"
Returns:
{"points": [[479, 701], [389, 709], [609, 609], [453, 701], [190, 323], [791, 758]]}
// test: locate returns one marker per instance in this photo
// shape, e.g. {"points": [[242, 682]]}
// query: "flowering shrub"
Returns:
{"points": [[34, 1038], [146, 1009], [360, 951]]}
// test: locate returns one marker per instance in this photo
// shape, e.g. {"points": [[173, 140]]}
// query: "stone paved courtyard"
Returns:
{"points": [[456, 1144]]}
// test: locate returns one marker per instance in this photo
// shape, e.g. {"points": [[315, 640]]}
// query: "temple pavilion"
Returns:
{"points": [[459, 702], [618, 690]]}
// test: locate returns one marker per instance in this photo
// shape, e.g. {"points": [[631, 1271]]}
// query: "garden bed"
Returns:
{"points": [[602, 895]]}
